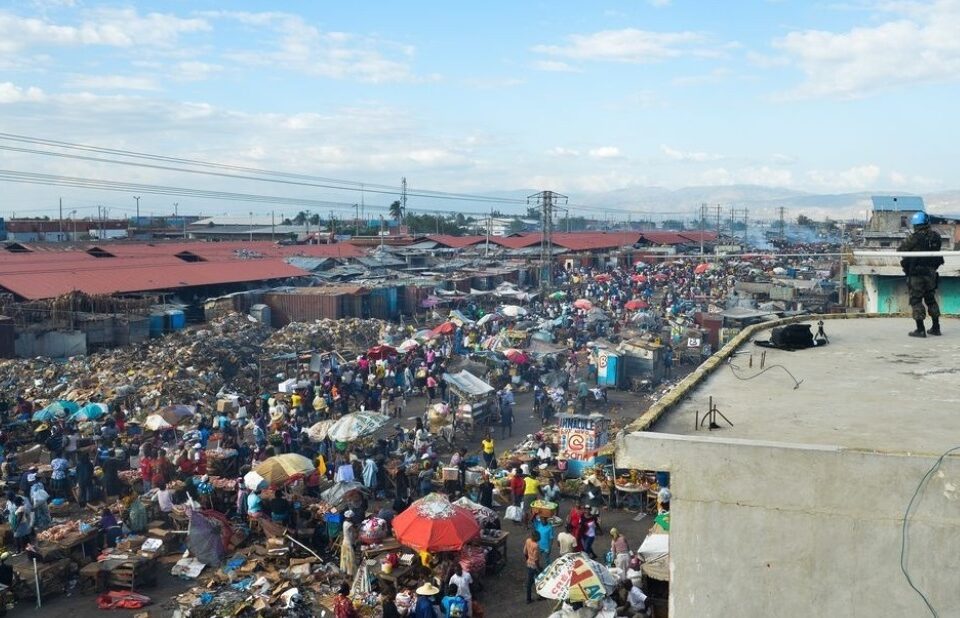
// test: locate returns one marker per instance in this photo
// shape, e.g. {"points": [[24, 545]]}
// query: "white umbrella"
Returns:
{"points": [[350, 427], [318, 431], [155, 422], [254, 481], [406, 346], [513, 311]]}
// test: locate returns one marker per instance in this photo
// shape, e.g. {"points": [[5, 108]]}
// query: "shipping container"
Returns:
{"points": [[261, 313], [308, 304], [156, 324]]}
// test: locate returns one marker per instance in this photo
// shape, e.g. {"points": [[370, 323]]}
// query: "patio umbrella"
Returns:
{"points": [[603, 278], [408, 345], [481, 513], [424, 335], [433, 524], [446, 328], [176, 414], [638, 278], [340, 491], [486, 318], [318, 431], [635, 305], [254, 481], [356, 425], [380, 352], [155, 422], [558, 295], [281, 469], [583, 303], [61, 408], [43, 416], [516, 356], [575, 577], [702, 268], [660, 277], [90, 412], [513, 311]]}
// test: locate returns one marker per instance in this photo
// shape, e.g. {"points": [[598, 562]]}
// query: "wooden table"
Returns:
{"points": [[499, 543], [393, 576], [388, 545]]}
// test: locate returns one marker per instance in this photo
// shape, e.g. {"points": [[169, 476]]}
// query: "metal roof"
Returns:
{"points": [[906, 203]]}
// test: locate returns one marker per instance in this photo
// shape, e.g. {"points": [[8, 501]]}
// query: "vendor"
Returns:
{"points": [[544, 452], [279, 509], [255, 505], [7, 574]]}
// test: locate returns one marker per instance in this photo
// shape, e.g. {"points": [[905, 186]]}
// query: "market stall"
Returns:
{"points": [[474, 401], [581, 437]]}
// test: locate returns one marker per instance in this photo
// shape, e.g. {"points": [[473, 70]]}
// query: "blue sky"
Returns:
{"points": [[578, 97]]}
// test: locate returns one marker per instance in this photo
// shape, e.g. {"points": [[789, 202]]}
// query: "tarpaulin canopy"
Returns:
{"points": [[254, 481], [446, 328], [434, 524], [280, 469], [380, 352], [518, 357], [575, 577], [338, 492], [89, 412], [512, 311], [582, 303], [356, 425], [56, 409], [635, 305], [481, 513], [176, 414], [155, 422], [468, 384]]}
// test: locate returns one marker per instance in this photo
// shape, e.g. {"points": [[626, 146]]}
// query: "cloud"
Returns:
{"points": [[560, 151], [856, 178], [626, 45], [112, 82], [659, 3], [555, 66], [103, 27], [717, 75], [492, 83], [11, 93], [604, 152], [695, 157], [193, 70], [916, 44], [302, 47], [763, 175]]}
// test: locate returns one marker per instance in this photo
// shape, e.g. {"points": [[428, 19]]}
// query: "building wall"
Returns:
{"points": [[884, 294], [783, 530]]}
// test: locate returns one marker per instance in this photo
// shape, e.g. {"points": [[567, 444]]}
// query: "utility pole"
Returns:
{"points": [[137, 200], [273, 226], [356, 220], [703, 215], [381, 234], [307, 221], [403, 198], [486, 252], [60, 237], [718, 223], [546, 200], [782, 210], [251, 227]]}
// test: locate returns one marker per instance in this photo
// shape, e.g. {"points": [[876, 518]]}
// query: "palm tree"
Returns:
{"points": [[300, 219], [396, 210]]}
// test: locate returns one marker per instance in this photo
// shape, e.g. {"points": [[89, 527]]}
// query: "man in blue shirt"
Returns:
{"points": [[453, 605]]}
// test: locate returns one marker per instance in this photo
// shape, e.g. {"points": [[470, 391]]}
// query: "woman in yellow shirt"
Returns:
{"points": [[487, 450]]}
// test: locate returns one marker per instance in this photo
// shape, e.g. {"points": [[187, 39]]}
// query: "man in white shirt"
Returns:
{"points": [[462, 581], [164, 498], [566, 541], [636, 604]]}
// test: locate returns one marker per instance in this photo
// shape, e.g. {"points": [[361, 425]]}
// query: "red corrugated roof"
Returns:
{"points": [[587, 241], [456, 242], [133, 276]]}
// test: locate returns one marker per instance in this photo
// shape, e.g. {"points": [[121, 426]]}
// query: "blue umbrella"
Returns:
{"points": [[59, 408], [90, 412], [45, 415]]}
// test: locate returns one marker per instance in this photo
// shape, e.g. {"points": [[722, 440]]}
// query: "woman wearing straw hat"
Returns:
{"points": [[425, 601]]}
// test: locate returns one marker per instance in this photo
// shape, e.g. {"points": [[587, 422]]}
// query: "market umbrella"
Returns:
{"points": [[254, 481], [660, 277], [702, 268], [89, 412], [340, 491], [433, 524], [513, 311], [356, 425], [380, 352], [176, 414], [424, 335], [575, 577], [603, 278], [638, 278], [446, 328], [635, 305], [318, 431], [481, 513], [582, 303], [486, 318], [60, 408], [43, 416], [516, 356], [280, 469], [558, 295], [155, 422], [408, 345]]}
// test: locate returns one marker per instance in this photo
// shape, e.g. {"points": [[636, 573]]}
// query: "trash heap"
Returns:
{"points": [[345, 336], [178, 367]]}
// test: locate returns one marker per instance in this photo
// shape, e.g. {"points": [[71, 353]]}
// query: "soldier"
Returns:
{"points": [[922, 274]]}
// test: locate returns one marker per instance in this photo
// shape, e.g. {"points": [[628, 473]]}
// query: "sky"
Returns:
{"points": [[577, 97]]}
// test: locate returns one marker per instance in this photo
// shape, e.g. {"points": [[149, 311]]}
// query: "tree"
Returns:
{"points": [[672, 224], [805, 221], [396, 210], [284, 222], [314, 220], [533, 212], [300, 219], [516, 226]]}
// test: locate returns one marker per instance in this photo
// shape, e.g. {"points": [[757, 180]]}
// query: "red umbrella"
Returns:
{"points": [[434, 524], [635, 305], [380, 352], [516, 356], [660, 277], [603, 278], [446, 328], [583, 303], [702, 268], [638, 278]]}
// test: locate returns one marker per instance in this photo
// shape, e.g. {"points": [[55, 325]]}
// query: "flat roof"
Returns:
{"points": [[871, 388]]}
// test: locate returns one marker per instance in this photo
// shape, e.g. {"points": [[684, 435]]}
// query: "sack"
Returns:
{"points": [[792, 337], [514, 513]]}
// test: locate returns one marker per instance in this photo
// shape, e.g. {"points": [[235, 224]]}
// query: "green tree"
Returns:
{"points": [[396, 211], [314, 220], [673, 224], [300, 219], [805, 221]]}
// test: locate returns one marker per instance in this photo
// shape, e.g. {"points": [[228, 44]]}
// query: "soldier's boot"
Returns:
{"points": [[920, 332], [935, 329]]}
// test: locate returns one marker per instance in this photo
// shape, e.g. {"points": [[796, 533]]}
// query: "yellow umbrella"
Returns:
{"points": [[280, 469]]}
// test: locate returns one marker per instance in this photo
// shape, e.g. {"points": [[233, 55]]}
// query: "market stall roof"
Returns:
{"points": [[468, 383]]}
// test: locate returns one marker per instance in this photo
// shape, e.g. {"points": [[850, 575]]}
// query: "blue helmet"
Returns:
{"points": [[919, 218]]}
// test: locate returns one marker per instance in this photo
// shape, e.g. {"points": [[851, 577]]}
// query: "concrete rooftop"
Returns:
{"points": [[871, 388]]}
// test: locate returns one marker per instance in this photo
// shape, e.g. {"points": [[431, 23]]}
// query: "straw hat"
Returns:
{"points": [[427, 590]]}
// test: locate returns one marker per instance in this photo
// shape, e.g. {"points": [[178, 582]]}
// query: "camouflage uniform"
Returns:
{"points": [[922, 277]]}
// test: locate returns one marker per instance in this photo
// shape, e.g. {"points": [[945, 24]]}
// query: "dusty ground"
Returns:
{"points": [[502, 595]]}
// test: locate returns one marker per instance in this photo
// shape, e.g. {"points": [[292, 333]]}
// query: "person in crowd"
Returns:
{"points": [[453, 604], [621, 551], [566, 542], [487, 450], [462, 580], [343, 604], [531, 554], [425, 605]]}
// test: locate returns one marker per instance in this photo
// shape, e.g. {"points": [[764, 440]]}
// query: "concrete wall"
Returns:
{"points": [[55, 344], [764, 529], [884, 294]]}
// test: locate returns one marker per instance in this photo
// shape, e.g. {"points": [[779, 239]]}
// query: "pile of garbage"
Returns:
{"points": [[348, 336], [179, 367]]}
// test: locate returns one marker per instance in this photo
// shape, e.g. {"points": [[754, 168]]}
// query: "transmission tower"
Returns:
{"points": [[546, 200]]}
